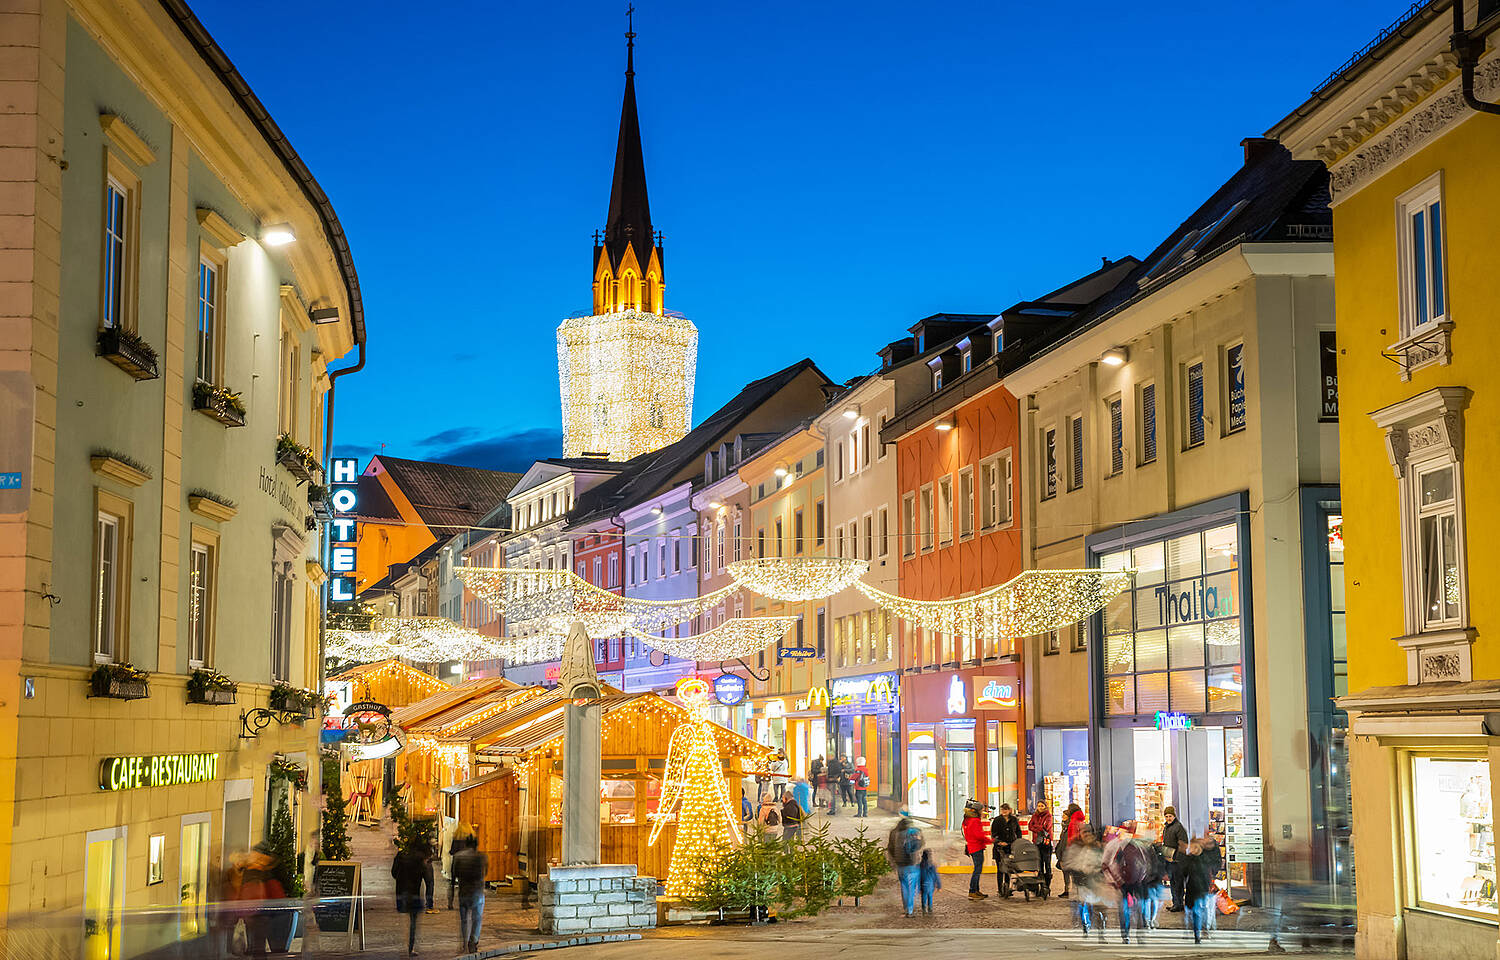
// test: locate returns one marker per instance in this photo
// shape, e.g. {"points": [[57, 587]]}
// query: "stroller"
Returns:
{"points": [[1024, 866]]}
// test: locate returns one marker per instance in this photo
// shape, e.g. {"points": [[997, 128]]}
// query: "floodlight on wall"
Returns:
{"points": [[324, 315], [1115, 357], [715, 505], [851, 412], [277, 235], [944, 424]]}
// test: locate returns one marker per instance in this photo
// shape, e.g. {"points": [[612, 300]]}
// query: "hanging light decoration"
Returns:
{"points": [[1033, 602], [552, 600], [536, 648], [739, 637], [797, 578], [365, 646], [433, 639]]}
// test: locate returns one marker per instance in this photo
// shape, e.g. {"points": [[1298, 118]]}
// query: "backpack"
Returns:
{"points": [[863, 782], [773, 819], [1132, 864]]}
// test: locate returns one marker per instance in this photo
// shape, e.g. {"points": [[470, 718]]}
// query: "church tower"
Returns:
{"points": [[626, 371]]}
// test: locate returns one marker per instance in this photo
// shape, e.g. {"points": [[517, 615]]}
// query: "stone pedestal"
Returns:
{"points": [[596, 898]]}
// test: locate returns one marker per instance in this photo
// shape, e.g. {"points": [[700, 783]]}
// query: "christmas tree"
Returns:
{"points": [[283, 844], [413, 834], [334, 837]]}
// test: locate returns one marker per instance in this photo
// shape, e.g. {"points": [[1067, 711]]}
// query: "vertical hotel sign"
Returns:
{"points": [[344, 479]]}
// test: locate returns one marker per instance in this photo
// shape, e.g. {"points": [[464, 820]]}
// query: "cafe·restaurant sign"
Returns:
{"points": [[130, 773]]}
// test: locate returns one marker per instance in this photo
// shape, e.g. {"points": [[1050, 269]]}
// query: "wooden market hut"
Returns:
{"points": [[431, 760], [515, 801], [394, 684]]}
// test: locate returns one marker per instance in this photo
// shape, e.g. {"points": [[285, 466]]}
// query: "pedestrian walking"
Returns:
{"points": [[792, 815], [769, 814], [903, 846], [461, 834], [778, 774], [976, 839], [1126, 866], [1040, 827], [429, 873], [1198, 872], [1005, 829], [846, 780], [471, 867], [1084, 862], [928, 880], [1156, 885], [1213, 862], [833, 772], [816, 771], [1072, 824], [803, 793], [1174, 841], [861, 789], [409, 869]]}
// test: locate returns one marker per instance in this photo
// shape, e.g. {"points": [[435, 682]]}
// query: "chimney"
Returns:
{"points": [[1257, 148]]}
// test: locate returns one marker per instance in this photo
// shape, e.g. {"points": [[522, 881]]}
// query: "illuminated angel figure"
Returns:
{"points": [[694, 794]]}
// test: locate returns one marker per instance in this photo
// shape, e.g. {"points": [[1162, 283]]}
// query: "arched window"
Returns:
{"points": [[627, 291], [648, 294], [604, 298]]}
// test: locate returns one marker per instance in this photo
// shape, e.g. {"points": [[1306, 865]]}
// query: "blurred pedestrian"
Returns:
{"points": [[1084, 861], [816, 772], [803, 794], [833, 772], [928, 880], [903, 846], [747, 813], [1005, 830], [1072, 824], [472, 868], [461, 834], [409, 869], [1127, 864]]}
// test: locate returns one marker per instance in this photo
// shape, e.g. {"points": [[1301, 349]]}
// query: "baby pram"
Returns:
{"points": [[1024, 864]]}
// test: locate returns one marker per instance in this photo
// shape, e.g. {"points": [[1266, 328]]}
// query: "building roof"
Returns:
{"points": [[365, 669], [629, 223], [446, 496], [1272, 198], [650, 473], [414, 713]]}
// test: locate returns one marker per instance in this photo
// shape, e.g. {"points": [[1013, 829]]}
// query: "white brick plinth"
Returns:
{"points": [[597, 898]]}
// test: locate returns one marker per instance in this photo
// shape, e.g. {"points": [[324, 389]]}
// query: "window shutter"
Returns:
{"points": [[1148, 423], [1076, 478], [1116, 437], [1195, 404]]}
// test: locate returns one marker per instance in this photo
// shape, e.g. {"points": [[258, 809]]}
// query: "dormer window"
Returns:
{"points": [[937, 379], [968, 360]]}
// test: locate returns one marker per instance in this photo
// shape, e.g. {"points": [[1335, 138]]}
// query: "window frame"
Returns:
{"points": [[1188, 443], [1114, 411], [120, 176], [1147, 441], [945, 509], [121, 514], [909, 524], [1417, 512], [1421, 198], [967, 510], [927, 505], [820, 522], [214, 259], [799, 541], [203, 541], [883, 546], [1077, 455]]}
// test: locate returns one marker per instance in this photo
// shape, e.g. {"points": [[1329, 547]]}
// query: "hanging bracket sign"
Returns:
{"points": [[796, 653]]}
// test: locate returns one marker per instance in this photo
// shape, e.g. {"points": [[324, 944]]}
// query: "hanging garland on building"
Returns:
{"points": [[739, 637], [1033, 602], [797, 578]]}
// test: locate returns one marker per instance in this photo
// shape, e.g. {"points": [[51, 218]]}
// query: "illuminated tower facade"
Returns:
{"points": [[626, 371]]}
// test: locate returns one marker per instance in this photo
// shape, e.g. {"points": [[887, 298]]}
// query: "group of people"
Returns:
{"points": [[843, 780], [1134, 875], [785, 809], [468, 867], [1001, 838]]}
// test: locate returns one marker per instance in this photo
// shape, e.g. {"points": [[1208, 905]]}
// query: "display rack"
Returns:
{"points": [[1149, 801]]}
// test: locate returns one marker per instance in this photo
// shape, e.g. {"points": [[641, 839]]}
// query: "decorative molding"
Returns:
{"points": [[1420, 127], [211, 509], [1431, 344], [118, 470], [296, 309], [218, 228], [130, 143], [315, 572], [1443, 656], [1430, 419]]}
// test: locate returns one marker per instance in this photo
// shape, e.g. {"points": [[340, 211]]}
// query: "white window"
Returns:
{"points": [[937, 379], [1192, 407], [210, 310], [737, 541], [1116, 411], [200, 603], [838, 462], [1438, 561], [880, 426], [661, 567], [883, 543], [994, 491], [1075, 457], [966, 502], [854, 453], [945, 510], [719, 562], [291, 375], [929, 518], [117, 279], [864, 445], [281, 621], [968, 360], [598, 571], [869, 538], [1421, 245], [107, 584], [908, 525], [614, 570]]}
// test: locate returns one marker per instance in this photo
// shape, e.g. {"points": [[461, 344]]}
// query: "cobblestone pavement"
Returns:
{"points": [[957, 927]]}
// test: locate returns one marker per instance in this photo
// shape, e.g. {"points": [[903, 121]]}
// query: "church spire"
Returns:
{"points": [[629, 224]]}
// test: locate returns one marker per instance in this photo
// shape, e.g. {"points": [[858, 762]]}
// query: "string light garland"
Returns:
{"points": [[626, 380], [365, 646], [536, 648], [433, 639], [739, 637], [549, 601], [797, 578], [694, 795], [1033, 602], [390, 668]]}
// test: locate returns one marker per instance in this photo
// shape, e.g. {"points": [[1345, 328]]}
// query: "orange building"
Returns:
{"points": [[956, 434]]}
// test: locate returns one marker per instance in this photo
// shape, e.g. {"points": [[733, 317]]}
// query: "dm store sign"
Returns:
{"points": [[344, 478]]}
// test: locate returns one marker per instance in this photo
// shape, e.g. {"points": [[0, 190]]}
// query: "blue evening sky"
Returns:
{"points": [[825, 174]]}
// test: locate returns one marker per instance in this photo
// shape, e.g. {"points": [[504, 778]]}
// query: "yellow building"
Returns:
{"points": [[183, 285], [1415, 183]]}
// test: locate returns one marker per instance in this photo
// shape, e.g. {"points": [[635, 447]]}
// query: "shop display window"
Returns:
{"points": [[617, 801], [921, 772], [554, 800], [1453, 834]]}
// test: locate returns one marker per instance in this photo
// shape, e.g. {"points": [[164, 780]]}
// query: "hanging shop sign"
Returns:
{"points": [[1243, 818], [796, 653], [1328, 363], [995, 693], [957, 701], [871, 693], [1173, 721], [730, 689], [344, 530], [130, 773]]}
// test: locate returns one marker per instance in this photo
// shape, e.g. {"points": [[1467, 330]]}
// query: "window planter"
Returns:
{"points": [[128, 352], [211, 695], [117, 689], [209, 686], [317, 498], [219, 403], [297, 459]]}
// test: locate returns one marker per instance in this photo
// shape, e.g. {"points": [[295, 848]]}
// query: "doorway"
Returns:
{"points": [[192, 876], [103, 892]]}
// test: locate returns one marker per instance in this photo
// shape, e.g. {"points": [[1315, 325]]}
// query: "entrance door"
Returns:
{"points": [[960, 775], [192, 922], [103, 893]]}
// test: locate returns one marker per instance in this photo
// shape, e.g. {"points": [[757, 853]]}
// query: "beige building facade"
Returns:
{"points": [[174, 296]]}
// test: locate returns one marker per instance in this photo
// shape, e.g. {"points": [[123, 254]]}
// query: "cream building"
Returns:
{"points": [[1176, 425], [179, 286]]}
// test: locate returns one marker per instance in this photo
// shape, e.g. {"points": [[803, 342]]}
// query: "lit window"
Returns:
{"points": [[1454, 851], [210, 317]]}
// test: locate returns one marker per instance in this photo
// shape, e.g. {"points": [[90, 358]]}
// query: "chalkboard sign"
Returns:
{"points": [[336, 884]]}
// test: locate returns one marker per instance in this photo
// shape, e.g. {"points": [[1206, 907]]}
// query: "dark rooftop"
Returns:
{"points": [[446, 496]]}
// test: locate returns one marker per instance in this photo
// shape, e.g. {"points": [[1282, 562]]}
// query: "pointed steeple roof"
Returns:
{"points": [[629, 220]]}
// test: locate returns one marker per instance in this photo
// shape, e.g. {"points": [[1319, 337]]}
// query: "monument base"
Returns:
{"points": [[596, 898]]}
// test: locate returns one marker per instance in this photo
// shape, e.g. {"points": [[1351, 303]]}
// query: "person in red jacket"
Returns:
{"points": [[1040, 827], [976, 839]]}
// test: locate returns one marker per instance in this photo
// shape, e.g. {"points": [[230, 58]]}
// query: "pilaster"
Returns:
{"points": [[173, 359]]}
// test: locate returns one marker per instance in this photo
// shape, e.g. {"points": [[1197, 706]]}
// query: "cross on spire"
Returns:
{"points": [[630, 40]]}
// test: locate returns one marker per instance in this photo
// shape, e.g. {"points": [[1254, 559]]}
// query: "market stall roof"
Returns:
{"points": [[414, 713], [476, 782], [455, 722], [506, 721], [548, 727], [390, 664]]}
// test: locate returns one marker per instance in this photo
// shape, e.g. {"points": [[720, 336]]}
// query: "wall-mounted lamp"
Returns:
{"points": [[324, 315], [277, 235], [851, 412], [1115, 357], [945, 424], [781, 471], [715, 505], [656, 510]]}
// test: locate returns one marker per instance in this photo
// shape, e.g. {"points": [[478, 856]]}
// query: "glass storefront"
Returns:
{"points": [[1062, 770], [1453, 835], [922, 772]]}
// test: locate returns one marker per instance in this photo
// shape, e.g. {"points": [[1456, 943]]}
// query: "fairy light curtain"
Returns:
{"points": [[740, 637], [1034, 602]]}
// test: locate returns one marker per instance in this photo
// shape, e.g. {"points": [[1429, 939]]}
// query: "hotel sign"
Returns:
{"points": [[344, 479], [130, 773]]}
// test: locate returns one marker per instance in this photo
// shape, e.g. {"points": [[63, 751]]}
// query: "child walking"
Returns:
{"points": [[928, 880]]}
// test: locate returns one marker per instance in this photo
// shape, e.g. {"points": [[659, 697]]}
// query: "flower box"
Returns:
{"points": [[219, 403], [211, 695], [128, 352], [117, 689], [317, 498]]}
